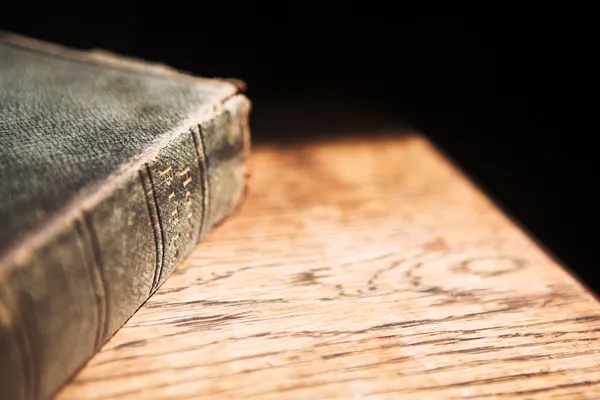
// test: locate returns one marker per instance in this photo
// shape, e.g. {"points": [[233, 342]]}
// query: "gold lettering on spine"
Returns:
{"points": [[187, 172], [175, 215], [167, 174], [186, 179], [176, 252], [188, 200]]}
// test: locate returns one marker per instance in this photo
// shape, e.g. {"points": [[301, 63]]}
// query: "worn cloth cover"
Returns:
{"points": [[111, 169]]}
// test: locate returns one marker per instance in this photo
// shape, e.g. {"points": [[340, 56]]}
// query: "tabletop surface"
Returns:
{"points": [[358, 268]]}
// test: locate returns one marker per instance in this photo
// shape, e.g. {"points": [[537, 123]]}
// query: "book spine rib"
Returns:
{"points": [[90, 247], [159, 239], [15, 347], [199, 145]]}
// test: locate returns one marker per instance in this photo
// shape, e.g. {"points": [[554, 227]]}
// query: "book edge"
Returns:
{"points": [[246, 161]]}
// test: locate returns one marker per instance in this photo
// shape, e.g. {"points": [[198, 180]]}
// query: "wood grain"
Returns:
{"points": [[358, 268]]}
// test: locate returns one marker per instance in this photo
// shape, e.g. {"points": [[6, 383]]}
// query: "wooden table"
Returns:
{"points": [[359, 267]]}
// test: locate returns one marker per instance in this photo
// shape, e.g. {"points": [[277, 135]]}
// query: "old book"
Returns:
{"points": [[111, 169]]}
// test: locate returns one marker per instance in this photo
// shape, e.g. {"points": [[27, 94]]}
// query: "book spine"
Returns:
{"points": [[63, 301]]}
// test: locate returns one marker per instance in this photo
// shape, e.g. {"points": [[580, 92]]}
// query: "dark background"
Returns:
{"points": [[509, 93]]}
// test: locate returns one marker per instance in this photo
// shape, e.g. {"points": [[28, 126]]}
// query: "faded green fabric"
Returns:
{"points": [[110, 172]]}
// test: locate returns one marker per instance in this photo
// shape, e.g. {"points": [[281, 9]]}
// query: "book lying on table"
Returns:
{"points": [[111, 170]]}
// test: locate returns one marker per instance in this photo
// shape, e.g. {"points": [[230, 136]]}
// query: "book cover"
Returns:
{"points": [[111, 170]]}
